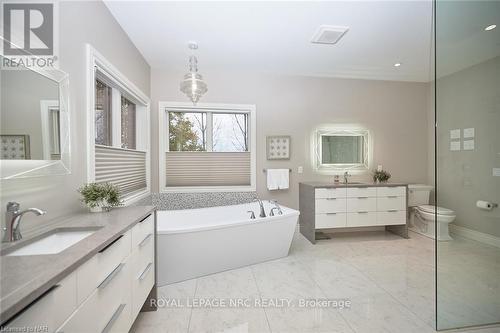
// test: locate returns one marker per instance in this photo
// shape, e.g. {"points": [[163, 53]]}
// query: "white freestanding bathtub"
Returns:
{"points": [[197, 242]]}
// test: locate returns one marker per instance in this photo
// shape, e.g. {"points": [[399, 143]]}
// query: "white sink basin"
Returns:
{"points": [[52, 243]]}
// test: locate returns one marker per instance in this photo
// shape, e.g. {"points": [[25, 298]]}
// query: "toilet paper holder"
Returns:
{"points": [[486, 205]]}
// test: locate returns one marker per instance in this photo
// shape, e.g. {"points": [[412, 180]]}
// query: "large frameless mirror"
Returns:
{"points": [[34, 121]]}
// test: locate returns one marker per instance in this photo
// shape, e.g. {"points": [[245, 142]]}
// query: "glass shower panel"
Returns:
{"points": [[468, 162]]}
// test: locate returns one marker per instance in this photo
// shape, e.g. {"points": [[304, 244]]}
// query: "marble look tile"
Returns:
{"points": [[306, 320], [236, 283], [234, 320], [166, 320], [181, 290], [381, 313]]}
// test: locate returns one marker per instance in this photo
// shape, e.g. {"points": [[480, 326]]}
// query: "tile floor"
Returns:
{"points": [[388, 280]]}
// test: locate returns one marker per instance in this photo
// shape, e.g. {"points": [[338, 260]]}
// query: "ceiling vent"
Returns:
{"points": [[328, 34]]}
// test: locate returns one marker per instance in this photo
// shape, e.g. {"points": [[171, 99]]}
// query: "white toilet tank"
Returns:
{"points": [[418, 194]]}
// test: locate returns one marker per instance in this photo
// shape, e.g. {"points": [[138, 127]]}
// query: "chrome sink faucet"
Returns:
{"points": [[12, 229], [262, 211], [346, 176], [276, 207]]}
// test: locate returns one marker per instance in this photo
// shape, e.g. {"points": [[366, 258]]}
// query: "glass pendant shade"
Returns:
{"points": [[193, 85]]}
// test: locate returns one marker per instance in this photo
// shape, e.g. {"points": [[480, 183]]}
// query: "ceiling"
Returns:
{"points": [[274, 37]]}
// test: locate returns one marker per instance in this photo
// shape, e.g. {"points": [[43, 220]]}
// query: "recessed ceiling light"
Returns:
{"points": [[490, 27], [397, 64]]}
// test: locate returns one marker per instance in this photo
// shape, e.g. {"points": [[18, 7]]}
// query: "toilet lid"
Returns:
{"points": [[440, 210]]}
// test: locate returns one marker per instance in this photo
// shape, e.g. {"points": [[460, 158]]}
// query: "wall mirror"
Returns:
{"points": [[34, 121], [341, 149]]}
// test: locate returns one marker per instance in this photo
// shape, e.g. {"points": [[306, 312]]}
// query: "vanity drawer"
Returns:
{"points": [[94, 271], [335, 192], [142, 230], [391, 217], [361, 219], [50, 310], [330, 205], [361, 204], [385, 191], [107, 306], [331, 220], [355, 192], [391, 203]]}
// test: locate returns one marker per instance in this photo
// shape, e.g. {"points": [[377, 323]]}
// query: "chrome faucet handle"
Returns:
{"points": [[271, 213], [252, 214], [12, 206], [277, 207]]}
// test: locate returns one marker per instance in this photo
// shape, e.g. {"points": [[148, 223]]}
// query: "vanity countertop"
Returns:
{"points": [[25, 278], [353, 184]]}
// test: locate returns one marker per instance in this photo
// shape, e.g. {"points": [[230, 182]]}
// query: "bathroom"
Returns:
{"points": [[198, 268]]}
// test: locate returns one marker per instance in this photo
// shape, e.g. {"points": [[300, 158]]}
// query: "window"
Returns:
{"points": [[128, 123], [340, 149], [102, 114], [118, 121], [207, 147]]}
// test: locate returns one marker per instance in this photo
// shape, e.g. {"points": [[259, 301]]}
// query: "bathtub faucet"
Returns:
{"points": [[262, 211], [276, 207]]}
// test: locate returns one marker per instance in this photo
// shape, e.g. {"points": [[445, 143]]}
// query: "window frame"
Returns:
{"points": [[164, 107], [98, 67]]}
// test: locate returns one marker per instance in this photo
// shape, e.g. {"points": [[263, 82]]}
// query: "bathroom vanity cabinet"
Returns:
{"points": [[104, 292], [334, 206]]}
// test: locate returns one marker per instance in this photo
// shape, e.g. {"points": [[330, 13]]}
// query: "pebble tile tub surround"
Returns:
{"points": [[174, 201]]}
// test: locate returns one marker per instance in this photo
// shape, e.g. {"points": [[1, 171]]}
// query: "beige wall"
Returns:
{"points": [[395, 112], [81, 22], [470, 98]]}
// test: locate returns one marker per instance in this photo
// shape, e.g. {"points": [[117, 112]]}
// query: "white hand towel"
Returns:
{"points": [[278, 179]]}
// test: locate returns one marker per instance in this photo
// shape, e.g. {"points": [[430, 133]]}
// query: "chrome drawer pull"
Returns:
{"points": [[331, 213], [110, 277], [392, 196], [145, 240], [362, 212], [392, 210], [362, 197], [111, 244], [144, 219], [331, 198], [145, 272], [113, 319]]}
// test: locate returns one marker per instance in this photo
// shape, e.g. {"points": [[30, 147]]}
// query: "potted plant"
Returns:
{"points": [[100, 196], [381, 176]]}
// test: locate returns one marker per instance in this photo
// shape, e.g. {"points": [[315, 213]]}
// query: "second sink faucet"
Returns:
{"points": [[262, 211], [12, 229], [346, 176]]}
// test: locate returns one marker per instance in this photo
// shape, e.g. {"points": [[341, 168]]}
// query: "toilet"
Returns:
{"points": [[423, 215]]}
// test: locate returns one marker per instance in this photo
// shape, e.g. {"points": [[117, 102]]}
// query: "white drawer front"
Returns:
{"points": [[354, 192], [361, 219], [51, 310], [94, 271], [361, 204], [391, 218], [330, 205], [143, 276], [100, 309], [332, 220], [141, 230], [391, 203], [336, 192], [385, 191]]}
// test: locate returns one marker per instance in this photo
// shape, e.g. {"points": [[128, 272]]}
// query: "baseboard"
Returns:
{"points": [[475, 235]]}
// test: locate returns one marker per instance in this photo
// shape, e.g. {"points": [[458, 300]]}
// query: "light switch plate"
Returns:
{"points": [[468, 144], [454, 145], [468, 133], [496, 172], [300, 169], [455, 134]]}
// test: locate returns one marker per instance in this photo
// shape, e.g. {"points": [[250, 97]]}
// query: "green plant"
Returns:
{"points": [[381, 176], [100, 194]]}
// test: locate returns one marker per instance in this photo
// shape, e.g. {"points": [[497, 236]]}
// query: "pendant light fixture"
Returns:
{"points": [[193, 85]]}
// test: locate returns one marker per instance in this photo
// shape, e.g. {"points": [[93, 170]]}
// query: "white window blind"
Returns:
{"points": [[208, 169], [124, 168]]}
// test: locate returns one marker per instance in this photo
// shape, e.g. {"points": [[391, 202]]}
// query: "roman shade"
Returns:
{"points": [[124, 168], [208, 169]]}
